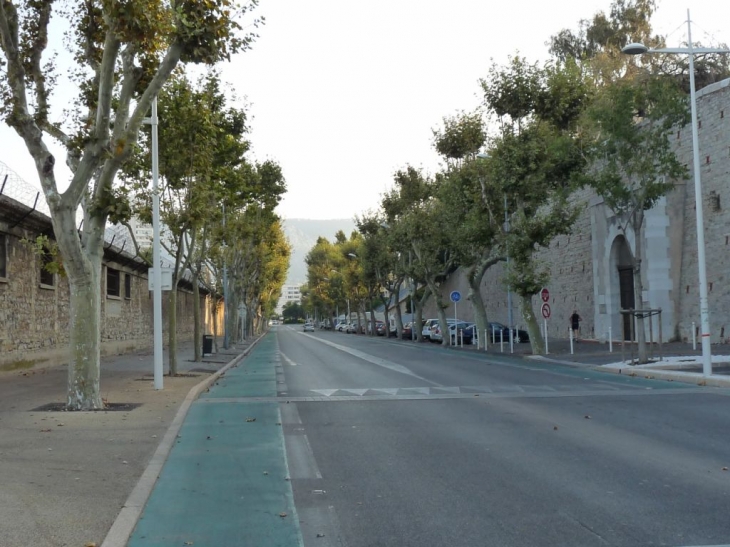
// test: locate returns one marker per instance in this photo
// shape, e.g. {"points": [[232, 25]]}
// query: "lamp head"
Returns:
{"points": [[483, 156], [634, 49]]}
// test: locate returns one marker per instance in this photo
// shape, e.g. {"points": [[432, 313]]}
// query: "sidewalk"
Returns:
{"points": [[66, 475], [676, 361]]}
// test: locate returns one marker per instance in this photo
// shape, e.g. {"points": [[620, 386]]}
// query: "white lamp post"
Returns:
{"points": [[690, 51], [156, 258]]}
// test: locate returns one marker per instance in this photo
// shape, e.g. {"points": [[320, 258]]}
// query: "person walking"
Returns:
{"points": [[575, 320]]}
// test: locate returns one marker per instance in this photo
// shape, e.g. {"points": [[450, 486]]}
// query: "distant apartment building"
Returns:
{"points": [[289, 293], [142, 232]]}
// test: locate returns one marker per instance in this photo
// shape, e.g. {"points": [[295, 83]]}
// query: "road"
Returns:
{"points": [[397, 444]]}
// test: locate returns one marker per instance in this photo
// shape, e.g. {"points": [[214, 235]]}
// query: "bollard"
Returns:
{"points": [[694, 336], [501, 341], [486, 340], [570, 335], [546, 337], [610, 341]]}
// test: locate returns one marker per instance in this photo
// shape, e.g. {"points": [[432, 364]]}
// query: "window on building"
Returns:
{"points": [[112, 282], [47, 278], [3, 256], [127, 286]]}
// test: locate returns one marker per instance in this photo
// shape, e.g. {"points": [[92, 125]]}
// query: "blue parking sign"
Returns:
{"points": [[455, 296]]}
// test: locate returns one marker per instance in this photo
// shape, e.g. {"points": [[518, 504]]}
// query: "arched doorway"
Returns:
{"points": [[622, 282]]}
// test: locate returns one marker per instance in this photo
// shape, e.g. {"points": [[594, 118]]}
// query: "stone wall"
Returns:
{"points": [[583, 267], [34, 318]]}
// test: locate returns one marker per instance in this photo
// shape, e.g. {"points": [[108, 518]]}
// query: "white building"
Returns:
{"points": [[289, 293]]}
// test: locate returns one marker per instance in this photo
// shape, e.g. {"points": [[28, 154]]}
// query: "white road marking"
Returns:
{"points": [[390, 365], [288, 361]]}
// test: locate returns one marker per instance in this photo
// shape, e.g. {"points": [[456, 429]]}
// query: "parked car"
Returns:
{"points": [[407, 333], [341, 326], [308, 327], [427, 326], [461, 326], [497, 332]]}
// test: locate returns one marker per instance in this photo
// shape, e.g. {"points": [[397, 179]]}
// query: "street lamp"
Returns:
{"points": [[690, 51]]}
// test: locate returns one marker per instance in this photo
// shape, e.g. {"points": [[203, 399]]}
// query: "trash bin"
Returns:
{"points": [[207, 344]]}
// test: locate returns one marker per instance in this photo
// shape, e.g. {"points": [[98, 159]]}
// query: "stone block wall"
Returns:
{"points": [[34, 318]]}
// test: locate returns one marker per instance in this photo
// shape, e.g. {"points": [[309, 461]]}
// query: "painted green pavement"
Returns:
{"points": [[225, 481]]}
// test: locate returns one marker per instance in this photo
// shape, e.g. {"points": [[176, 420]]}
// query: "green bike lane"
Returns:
{"points": [[226, 480]]}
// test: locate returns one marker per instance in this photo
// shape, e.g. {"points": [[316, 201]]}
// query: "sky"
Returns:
{"points": [[343, 94]]}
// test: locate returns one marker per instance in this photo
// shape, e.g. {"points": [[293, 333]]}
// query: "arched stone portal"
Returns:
{"points": [[622, 284]]}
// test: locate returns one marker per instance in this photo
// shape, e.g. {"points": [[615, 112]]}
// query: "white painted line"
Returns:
{"points": [[288, 361], [300, 457], [390, 365], [356, 391], [389, 391], [325, 392]]}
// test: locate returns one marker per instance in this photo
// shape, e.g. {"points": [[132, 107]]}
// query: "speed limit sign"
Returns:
{"points": [[546, 311]]}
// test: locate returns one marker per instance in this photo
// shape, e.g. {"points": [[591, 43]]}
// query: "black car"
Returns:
{"points": [[497, 332]]}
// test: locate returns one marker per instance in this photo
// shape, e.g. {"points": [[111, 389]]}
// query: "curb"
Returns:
{"points": [[649, 374], [124, 524], [672, 376]]}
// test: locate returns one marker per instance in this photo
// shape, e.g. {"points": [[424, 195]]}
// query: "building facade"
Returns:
{"points": [[34, 304]]}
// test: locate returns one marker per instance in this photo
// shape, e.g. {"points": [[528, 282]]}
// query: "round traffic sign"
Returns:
{"points": [[546, 310], [455, 296], [545, 295]]}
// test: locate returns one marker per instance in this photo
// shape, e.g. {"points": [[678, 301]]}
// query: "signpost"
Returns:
{"points": [[455, 297], [545, 295]]}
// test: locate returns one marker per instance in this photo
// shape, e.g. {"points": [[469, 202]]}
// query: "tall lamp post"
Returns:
{"points": [[156, 258], [690, 51]]}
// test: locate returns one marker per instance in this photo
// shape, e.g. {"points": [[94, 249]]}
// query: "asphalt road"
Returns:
{"points": [[399, 444]]}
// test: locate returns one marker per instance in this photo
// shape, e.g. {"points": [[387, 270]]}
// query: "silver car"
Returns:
{"points": [[308, 327]]}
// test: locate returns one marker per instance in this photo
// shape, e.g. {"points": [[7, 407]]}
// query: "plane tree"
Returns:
{"points": [[635, 164], [121, 54], [538, 158], [473, 205]]}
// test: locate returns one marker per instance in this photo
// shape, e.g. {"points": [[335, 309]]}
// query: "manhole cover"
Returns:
{"points": [[109, 407]]}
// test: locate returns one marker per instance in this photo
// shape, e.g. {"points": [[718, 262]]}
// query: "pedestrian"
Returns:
{"points": [[575, 320]]}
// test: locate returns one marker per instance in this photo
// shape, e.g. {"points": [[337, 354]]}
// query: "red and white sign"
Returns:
{"points": [[546, 310], [545, 295]]}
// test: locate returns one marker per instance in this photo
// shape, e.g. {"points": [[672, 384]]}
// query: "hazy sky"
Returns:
{"points": [[342, 94]]}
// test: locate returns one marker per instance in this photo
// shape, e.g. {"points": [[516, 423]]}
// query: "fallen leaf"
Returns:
{"points": [[59, 424], [587, 417], [250, 419], [90, 544], [282, 514], [555, 428], [266, 472], [45, 430], [724, 468], [320, 535]]}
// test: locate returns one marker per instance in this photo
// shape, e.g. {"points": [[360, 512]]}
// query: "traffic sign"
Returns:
{"points": [[546, 310], [545, 295], [455, 296]]}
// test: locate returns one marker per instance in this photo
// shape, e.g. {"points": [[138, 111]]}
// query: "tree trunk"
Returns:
{"points": [[82, 262], [441, 310], [419, 303], [85, 336], [197, 330], [477, 302], [533, 327], [172, 329], [639, 288]]}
